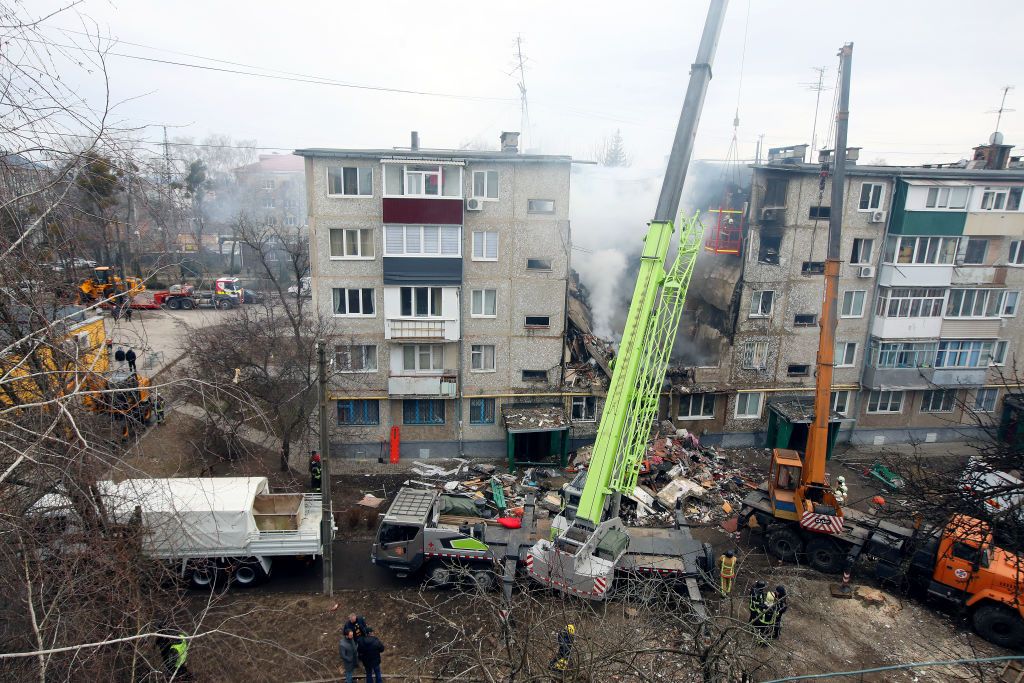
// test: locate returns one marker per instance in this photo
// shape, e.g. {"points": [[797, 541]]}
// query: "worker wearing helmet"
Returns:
{"points": [[764, 626], [841, 491], [315, 471], [756, 600], [781, 605], [727, 571], [566, 638]]}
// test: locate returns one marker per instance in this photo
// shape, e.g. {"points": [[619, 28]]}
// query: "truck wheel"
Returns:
{"points": [[203, 575], [825, 555], [225, 305], [439, 575], [174, 304], [484, 580], [248, 572], [785, 544], [188, 304], [999, 624]]}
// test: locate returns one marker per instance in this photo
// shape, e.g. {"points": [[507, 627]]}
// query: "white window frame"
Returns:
{"points": [[435, 352], [996, 198], [857, 249], [979, 404], [474, 312], [582, 403], [540, 211], [1000, 350], [485, 237], [478, 352], [910, 300], [290, 221], [957, 353], [845, 403], [992, 303], [706, 411], [360, 290], [406, 173], [890, 396], [940, 198], [758, 296], [268, 203], [878, 201], [750, 352], [850, 296], [431, 313], [746, 396], [359, 183], [921, 247], [840, 358], [486, 196], [366, 351], [359, 255], [417, 234], [928, 402]]}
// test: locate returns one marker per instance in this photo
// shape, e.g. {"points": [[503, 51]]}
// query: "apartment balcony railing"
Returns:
{"points": [[409, 329], [424, 386]]}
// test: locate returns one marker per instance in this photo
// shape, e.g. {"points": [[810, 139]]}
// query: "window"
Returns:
{"points": [[584, 409], [290, 221], [885, 402], [840, 402], [268, 203], [1016, 253], [846, 354], [870, 196], [769, 245], [482, 356], [485, 246], [994, 199], [349, 181], [761, 304], [775, 193], [795, 370], [697, 407], [535, 375], [862, 249], [540, 205], [422, 240], [920, 250], [538, 264], [748, 405], [903, 354], [963, 354], [422, 357], [981, 303], [361, 412], [485, 184], [423, 411], [420, 302], [483, 303], [947, 197], [853, 304], [422, 180], [820, 212], [812, 267], [985, 400], [355, 358], [975, 252], [1013, 201], [538, 321], [351, 243], [938, 401], [805, 319], [999, 352], [268, 184], [910, 302], [481, 411], [353, 302], [755, 355]]}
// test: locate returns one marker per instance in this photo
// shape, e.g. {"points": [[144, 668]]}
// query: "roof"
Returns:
{"points": [[410, 506], [428, 154], [798, 409], [217, 494], [904, 172], [533, 418], [275, 163]]}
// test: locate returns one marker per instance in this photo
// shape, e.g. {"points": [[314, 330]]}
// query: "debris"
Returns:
{"points": [[451, 486], [726, 508], [484, 468], [871, 596], [731, 524], [551, 502], [679, 489], [370, 501]]}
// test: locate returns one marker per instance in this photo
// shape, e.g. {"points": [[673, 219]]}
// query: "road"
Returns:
{"points": [[352, 571]]}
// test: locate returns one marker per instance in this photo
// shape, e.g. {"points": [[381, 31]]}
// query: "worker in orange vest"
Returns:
{"points": [[727, 572]]}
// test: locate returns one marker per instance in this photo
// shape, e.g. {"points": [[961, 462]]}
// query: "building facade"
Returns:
{"points": [[444, 273], [929, 295]]}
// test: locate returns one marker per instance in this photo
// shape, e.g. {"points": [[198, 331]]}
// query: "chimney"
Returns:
{"points": [[415, 143], [510, 142], [993, 156]]}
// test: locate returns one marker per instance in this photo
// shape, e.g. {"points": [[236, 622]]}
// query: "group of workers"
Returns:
{"points": [[766, 607], [359, 645]]}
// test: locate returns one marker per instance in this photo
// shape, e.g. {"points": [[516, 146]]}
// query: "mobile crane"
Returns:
{"points": [[590, 544]]}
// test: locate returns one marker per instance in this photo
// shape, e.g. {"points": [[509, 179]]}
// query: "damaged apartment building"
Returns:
{"points": [[928, 310], [444, 275]]}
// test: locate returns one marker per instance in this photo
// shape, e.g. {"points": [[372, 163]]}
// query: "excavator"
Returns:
{"points": [[590, 544], [105, 284]]}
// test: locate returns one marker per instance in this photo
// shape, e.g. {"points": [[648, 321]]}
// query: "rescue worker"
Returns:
{"points": [[130, 358], [765, 624], [315, 471], [727, 571], [175, 652], [756, 602], [159, 409], [566, 638], [781, 605], [841, 491]]}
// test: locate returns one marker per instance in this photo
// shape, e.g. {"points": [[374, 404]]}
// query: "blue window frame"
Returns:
{"points": [[359, 412], [423, 411], [481, 411]]}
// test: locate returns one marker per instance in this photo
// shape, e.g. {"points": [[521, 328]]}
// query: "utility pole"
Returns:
{"points": [[327, 521], [757, 152]]}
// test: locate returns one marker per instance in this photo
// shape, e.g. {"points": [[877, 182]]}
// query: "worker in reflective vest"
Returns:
{"points": [[764, 626], [756, 604], [727, 571], [175, 655]]}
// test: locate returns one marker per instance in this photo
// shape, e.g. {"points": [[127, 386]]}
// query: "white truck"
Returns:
{"points": [[211, 527]]}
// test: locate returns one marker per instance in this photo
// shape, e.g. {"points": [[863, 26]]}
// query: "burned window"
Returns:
{"points": [[775, 193], [805, 319], [770, 245], [812, 267], [796, 370], [820, 212]]}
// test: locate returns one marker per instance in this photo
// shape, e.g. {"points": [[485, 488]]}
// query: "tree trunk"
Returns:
{"points": [[285, 450]]}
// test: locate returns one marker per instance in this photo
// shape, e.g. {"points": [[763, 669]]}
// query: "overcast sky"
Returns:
{"points": [[924, 73]]}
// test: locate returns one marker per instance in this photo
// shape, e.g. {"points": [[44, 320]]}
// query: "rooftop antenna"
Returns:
{"points": [[818, 87], [524, 108], [1002, 108]]}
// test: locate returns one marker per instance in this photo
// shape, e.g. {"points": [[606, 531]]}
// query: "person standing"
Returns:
{"points": [[841, 491], [369, 654], [128, 311], [355, 625], [315, 471], [175, 653], [159, 409], [765, 623], [781, 605], [566, 639], [727, 572], [349, 653], [756, 600], [130, 358]]}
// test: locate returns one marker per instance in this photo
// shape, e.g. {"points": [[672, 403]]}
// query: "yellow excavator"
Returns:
{"points": [[106, 284]]}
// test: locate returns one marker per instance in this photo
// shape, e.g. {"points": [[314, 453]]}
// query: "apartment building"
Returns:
{"points": [[444, 273], [929, 296]]}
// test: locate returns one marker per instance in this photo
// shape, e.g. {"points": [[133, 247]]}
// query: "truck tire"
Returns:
{"points": [[225, 305], [174, 304], [188, 304], [999, 624], [484, 580], [202, 575], [439, 575], [825, 555], [247, 573], [785, 544]]}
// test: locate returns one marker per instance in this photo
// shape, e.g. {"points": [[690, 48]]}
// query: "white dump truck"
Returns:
{"points": [[208, 528]]}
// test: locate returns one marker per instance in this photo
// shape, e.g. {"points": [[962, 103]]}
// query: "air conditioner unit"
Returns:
{"points": [[866, 271], [474, 204], [877, 217], [769, 214]]}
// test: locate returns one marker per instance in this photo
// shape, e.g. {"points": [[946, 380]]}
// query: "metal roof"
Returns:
{"points": [[532, 418], [411, 506], [432, 154]]}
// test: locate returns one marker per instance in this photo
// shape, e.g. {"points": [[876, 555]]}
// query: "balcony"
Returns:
{"points": [[424, 386], [979, 275], [971, 328], [994, 223], [906, 328], [898, 379], [958, 377], [915, 275], [421, 329]]}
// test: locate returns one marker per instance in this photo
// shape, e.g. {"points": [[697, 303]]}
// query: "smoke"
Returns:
{"points": [[602, 274]]}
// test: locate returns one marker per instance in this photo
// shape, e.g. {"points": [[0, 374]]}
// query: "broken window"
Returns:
{"points": [[812, 267], [761, 304], [798, 370], [355, 358], [769, 247], [975, 252], [775, 193], [396, 533], [584, 409], [805, 319], [755, 355], [820, 212]]}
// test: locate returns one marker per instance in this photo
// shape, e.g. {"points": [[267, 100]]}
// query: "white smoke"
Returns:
{"points": [[602, 273]]}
